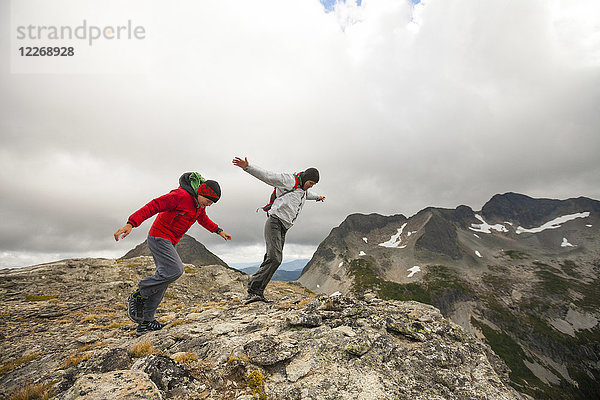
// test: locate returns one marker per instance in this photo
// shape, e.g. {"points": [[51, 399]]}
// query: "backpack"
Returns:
{"points": [[298, 183]]}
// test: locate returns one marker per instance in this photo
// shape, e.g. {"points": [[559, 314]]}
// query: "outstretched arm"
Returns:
{"points": [[278, 180], [310, 195], [162, 203]]}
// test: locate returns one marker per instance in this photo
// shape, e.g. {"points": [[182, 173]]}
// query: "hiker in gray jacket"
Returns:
{"points": [[288, 198]]}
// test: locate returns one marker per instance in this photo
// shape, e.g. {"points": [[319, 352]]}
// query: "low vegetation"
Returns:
{"points": [[189, 269], [511, 352], [438, 281], [39, 298], [11, 365], [516, 254], [185, 358], [33, 391], [142, 349], [75, 359], [256, 382]]}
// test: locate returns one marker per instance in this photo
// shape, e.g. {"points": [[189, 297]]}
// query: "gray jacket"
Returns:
{"points": [[289, 201]]}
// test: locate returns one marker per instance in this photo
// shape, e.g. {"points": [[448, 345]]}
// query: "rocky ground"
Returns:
{"points": [[64, 334]]}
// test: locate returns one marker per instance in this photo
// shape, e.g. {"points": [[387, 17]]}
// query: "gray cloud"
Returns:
{"points": [[400, 108]]}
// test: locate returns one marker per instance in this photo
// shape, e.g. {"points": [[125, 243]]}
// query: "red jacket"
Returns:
{"points": [[176, 211]]}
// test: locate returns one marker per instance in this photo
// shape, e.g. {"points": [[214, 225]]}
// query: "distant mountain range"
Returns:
{"points": [[522, 273], [193, 252], [287, 271]]}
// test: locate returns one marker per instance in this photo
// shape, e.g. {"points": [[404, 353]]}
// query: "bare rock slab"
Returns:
{"points": [[117, 385]]}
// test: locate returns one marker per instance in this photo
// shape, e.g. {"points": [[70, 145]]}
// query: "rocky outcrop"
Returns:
{"points": [[65, 330]]}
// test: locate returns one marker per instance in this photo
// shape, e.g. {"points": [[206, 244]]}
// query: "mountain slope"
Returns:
{"points": [[523, 273]]}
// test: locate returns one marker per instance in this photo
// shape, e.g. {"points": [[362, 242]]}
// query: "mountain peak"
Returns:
{"points": [[365, 223], [529, 211]]}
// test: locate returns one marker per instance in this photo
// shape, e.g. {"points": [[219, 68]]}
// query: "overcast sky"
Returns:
{"points": [[400, 106]]}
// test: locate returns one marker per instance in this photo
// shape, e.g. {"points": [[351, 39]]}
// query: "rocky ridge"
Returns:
{"points": [[65, 333]]}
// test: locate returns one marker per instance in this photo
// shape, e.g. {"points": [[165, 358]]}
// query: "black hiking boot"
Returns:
{"points": [[254, 297], [148, 326], [135, 307]]}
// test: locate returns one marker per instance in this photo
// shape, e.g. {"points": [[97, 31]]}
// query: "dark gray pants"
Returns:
{"points": [[168, 268], [274, 239]]}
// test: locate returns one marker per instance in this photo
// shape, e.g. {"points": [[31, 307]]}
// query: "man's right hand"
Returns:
{"points": [[238, 162], [126, 230]]}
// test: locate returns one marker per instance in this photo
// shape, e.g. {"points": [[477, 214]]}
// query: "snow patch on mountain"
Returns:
{"points": [[484, 227], [565, 243], [555, 223], [395, 240], [413, 271]]}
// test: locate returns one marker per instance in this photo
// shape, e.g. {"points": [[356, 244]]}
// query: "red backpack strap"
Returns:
{"points": [[267, 206], [298, 181]]}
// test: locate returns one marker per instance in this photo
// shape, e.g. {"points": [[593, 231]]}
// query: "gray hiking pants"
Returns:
{"points": [[274, 239], [168, 268]]}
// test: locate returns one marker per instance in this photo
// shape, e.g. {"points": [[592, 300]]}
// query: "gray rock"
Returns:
{"points": [[117, 385], [297, 369], [267, 351], [111, 360], [358, 346], [168, 376], [304, 319]]}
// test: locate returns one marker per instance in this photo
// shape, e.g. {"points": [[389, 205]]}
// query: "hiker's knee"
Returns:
{"points": [[179, 271], [173, 273], [274, 257]]}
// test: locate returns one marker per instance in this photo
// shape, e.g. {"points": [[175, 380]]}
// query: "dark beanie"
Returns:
{"points": [[311, 174], [211, 190]]}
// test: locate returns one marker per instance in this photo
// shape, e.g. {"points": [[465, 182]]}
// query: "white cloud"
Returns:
{"points": [[402, 109]]}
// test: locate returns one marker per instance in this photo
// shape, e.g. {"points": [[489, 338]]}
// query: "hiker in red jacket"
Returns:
{"points": [[177, 211]]}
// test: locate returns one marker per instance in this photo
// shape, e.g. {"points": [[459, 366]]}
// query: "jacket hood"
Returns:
{"points": [[185, 182]]}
